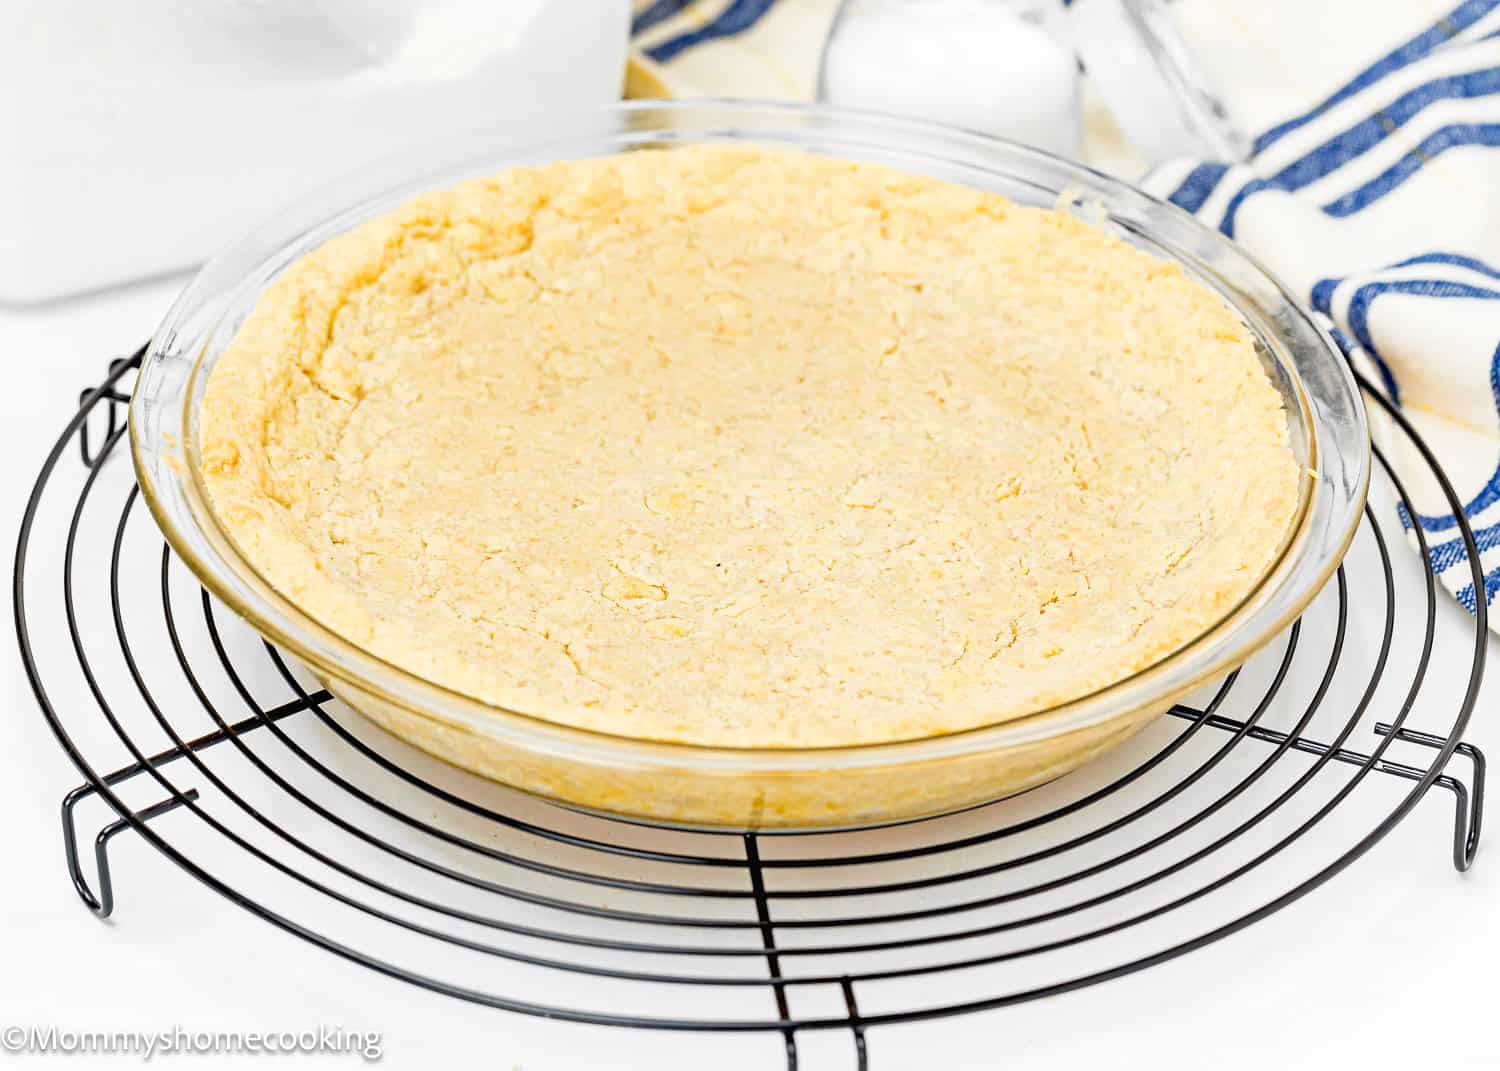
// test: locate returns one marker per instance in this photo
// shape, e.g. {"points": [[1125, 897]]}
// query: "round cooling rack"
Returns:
{"points": [[221, 754]]}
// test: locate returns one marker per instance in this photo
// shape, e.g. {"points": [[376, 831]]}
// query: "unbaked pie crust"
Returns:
{"points": [[748, 447]]}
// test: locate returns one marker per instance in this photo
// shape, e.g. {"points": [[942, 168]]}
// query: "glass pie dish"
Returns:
{"points": [[757, 787]]}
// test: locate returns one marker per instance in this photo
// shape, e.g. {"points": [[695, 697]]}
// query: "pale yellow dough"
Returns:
{"points": [[747, 447]]}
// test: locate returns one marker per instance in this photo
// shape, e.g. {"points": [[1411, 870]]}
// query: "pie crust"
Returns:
{"points": [[747, 447]]}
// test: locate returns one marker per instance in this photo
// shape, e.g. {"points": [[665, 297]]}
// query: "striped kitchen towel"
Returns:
{"points": [[1379, 206]]}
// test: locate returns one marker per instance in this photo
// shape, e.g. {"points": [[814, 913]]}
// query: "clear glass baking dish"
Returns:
{"points": [[753, 788]]}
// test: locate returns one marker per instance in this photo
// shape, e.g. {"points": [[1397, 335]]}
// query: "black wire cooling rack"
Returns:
{"points": [[208, 745]]}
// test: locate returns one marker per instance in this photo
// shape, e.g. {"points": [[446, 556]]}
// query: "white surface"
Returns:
{"points": [[1393, 962]]}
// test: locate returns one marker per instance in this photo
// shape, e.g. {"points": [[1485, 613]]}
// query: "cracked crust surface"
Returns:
{"points": [[747, 447]]}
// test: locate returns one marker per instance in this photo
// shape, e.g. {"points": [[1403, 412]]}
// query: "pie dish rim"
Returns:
{"points": [[1328, 406]]}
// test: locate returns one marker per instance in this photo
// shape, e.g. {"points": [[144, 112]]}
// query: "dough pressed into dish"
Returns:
{"points": [[748, 447]]}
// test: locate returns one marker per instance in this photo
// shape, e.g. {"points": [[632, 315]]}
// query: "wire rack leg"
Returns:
{"points": [[103, 904], [115, 400], [1468, 802]]}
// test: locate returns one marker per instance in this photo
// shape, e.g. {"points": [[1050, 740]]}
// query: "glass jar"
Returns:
{"points": [[1003, 67], [1110, 82]]}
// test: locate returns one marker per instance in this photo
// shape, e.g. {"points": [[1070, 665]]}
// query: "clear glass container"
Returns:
{"points": [[1071, 77], [1003, 67], [751, 788]]}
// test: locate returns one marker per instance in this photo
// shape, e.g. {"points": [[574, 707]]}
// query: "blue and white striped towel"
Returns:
{"points": [[1380, 207]]}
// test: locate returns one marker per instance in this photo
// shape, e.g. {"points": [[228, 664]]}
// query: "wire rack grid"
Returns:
{"points": [[204, 741]]}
